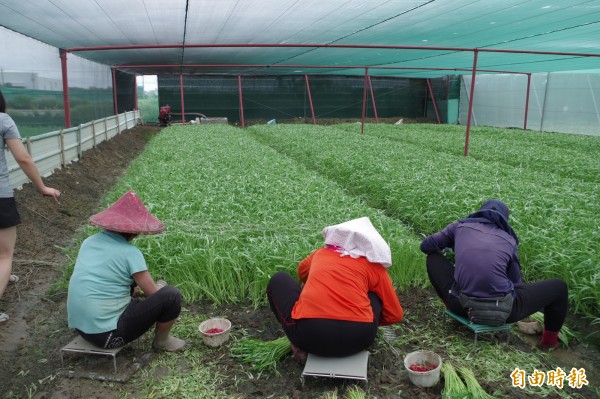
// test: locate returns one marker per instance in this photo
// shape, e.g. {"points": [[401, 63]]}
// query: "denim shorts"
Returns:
{"points": [[9, 216]]}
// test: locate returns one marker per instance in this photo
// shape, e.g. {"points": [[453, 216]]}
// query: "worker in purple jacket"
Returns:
{"points": [[487, 266]]}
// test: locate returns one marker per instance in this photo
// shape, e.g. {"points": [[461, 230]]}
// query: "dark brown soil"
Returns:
{"points": [[30, 341]]}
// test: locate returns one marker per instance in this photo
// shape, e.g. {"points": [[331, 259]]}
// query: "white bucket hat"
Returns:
{"points": [[358, 237]]}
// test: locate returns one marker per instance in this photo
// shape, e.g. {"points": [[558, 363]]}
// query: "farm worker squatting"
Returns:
{"points": [[9, 216], [102, 304], [347, 293], [164, 115], [487, 266]]}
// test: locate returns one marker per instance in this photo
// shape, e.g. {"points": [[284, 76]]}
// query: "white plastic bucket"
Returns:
{"points": [[423, 378]]}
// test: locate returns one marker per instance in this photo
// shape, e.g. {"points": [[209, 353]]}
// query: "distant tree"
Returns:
{"points": [[20, 102]]}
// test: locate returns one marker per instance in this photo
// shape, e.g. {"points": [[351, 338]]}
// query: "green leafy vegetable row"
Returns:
{"points": [[236, 212], [422, 184]]}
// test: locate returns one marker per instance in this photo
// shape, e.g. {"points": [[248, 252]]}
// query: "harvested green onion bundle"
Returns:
{"points": [[355, 392], [454, 387], [262, 355], [564, 336], [475, 390]]}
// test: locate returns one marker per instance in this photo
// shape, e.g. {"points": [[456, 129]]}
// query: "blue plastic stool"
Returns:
{"points": [[480, 328]]}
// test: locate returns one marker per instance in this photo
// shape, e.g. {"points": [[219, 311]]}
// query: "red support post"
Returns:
{"points": [[65, 87], [239, 77], [470, 113], [425, 108], [312, 109], [135, 94], [364, 107], [373, 100], [437, 115], [114, 84], [182, 98], [527, 101]]}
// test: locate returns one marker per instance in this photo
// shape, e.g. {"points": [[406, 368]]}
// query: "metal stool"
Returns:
{"points": [[351, 367], [480, 328], [80, 345]]}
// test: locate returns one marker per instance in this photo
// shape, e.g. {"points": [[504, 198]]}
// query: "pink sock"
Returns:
{"points": [[549, 339]]}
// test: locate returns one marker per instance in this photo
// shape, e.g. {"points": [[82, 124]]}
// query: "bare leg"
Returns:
{"points": [[164, 341], [8, 238]]}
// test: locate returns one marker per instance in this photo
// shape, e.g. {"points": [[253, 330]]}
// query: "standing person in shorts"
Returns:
{"points": [[103, 303], [9, 217]]}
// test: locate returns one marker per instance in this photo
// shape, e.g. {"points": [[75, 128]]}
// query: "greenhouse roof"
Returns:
{"points": [[415, 38]]}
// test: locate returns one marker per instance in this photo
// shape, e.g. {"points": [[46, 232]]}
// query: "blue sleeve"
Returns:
{"points": [[135, 261], [440, 240], [513, 270]]}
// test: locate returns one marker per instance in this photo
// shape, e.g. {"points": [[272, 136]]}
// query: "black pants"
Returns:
{"points": [[548, 296], [322, 337], [138, 317]]}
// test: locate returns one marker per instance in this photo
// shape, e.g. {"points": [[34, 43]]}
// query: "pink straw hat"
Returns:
{"points": [[128, 215]]}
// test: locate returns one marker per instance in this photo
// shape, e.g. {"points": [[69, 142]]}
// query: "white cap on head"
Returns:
{"points": [[358, 237]]}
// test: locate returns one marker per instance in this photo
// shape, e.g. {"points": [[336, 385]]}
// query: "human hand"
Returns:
{"points": [[51, 192], [138, 293], [161, 283]]}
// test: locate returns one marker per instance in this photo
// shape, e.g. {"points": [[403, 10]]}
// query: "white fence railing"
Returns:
{"points": [[54, 150]]}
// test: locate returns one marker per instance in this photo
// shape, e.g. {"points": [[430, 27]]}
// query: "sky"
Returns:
{"points": [[148, 81], [20, 53]]}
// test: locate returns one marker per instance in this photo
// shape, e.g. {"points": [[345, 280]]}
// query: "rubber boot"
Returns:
{"points": [[549, 339], [168, 343]]}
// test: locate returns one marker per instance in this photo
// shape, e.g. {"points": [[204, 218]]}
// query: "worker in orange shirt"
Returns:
{"points": [[346, 294]]}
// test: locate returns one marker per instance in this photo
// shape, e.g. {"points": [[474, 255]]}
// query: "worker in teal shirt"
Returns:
{"points": [[102, 304]]}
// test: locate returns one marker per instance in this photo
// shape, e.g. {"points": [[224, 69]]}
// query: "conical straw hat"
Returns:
{"points": [[128, 215]]}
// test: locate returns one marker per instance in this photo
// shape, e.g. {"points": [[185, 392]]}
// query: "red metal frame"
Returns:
{"points": [[300, 66], [324, 45], [182, 98], [364, 107], [437, 115], [239, 77], [470, 114], [114, 91], [312, 110], [320, 45], [135, 95], [527, 101], [373, 100], [65, 87]]}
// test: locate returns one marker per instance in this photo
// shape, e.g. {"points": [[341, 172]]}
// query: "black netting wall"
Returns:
{"points": [[446, 93], [126, 85], [286, 97], [90, 90]]}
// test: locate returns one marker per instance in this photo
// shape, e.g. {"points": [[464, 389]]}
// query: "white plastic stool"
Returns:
{"points": [[351, 367]]}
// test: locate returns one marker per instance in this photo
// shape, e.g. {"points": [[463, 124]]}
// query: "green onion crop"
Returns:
{"points": [[454, 387], [262, 355], [475, 390], [418, 175]]}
